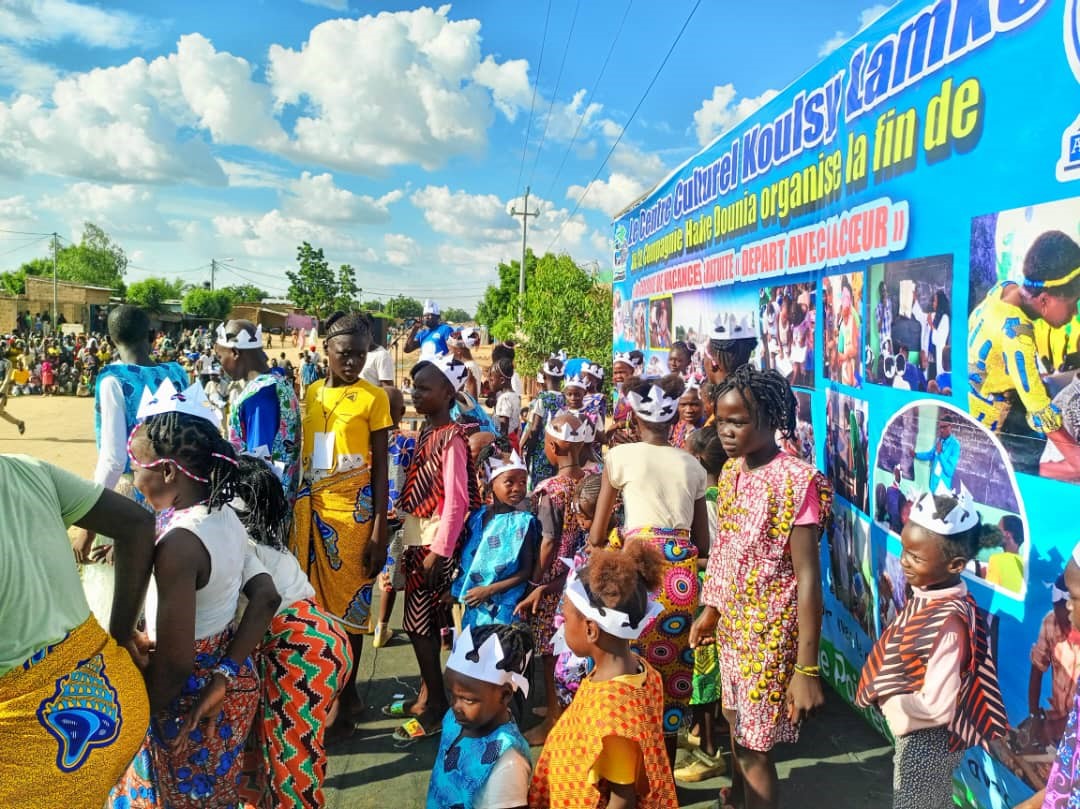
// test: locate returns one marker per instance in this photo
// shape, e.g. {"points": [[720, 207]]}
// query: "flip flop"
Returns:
{"points": [[397, 709], [413, 731]]}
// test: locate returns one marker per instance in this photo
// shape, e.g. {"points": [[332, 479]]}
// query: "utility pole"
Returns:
{"points": [[213, 271], [55, 295], [525, 213]]}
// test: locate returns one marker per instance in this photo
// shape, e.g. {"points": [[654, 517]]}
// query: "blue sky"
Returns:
{"points": [[390, 134]]}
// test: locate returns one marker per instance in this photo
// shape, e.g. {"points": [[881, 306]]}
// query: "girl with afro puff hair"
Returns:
{"points": [[607, 749]]}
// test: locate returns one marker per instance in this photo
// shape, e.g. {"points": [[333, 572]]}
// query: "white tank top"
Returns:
{"points": [[225, 540]]}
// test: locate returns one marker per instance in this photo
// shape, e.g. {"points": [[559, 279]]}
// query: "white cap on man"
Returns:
{"points": [[431, 308]]}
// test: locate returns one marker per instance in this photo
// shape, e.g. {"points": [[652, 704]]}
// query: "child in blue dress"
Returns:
{"points": [[483, 760], [500, 545]]}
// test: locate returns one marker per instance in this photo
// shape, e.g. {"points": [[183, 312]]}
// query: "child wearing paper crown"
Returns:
{"points": [[181, 462], [762, 594], [663, 491], [607, 749], [567, 439], [930, 672], [483, 760], [500, 543], [440, 491]]}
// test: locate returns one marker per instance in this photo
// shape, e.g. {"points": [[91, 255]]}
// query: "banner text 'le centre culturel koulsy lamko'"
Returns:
{"points": [[870, 226]]}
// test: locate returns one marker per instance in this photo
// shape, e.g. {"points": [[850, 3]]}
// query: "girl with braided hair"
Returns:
{"points": [[200, 668], [339, 524], [762, 593], [303, 661]]}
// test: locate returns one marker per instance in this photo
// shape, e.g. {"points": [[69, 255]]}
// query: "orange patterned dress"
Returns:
{"points": [[627, 707]]}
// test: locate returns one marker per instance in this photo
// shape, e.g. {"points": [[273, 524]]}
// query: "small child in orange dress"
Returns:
{"points": [[607, 749]]}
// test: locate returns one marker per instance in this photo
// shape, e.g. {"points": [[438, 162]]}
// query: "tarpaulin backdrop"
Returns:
{"points": [[864, 225]]}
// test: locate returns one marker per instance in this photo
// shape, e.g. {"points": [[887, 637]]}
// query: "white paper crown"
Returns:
{"points": [[485, 668], [694, 382], [495, 465], [431, 308], [960, 519], [551, 368], [593, 369], [625, 358], [243, 339], [726, 328], [612, 621], [453, 369], [575, 382], [166, 399], [656, 406], [585, 433]]}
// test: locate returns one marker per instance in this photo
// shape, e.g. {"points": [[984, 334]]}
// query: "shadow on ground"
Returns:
{"points": [[840, 762]]}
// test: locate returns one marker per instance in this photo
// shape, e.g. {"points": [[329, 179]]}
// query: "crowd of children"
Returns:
{"points": [[657, 576]]}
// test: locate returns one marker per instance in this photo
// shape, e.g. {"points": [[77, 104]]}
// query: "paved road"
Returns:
{"points": [[840, 762]]}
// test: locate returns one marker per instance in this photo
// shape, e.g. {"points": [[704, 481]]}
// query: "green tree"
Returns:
{"points": [[453, 315], [246, 293], [209, 303], [313, 287], [347, 289], [499, 308], [565, 307], [369, 306], [402, 307], [151, 293]]}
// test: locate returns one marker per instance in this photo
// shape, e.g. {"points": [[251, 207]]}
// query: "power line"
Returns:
{"points": [[25, 233], [532, 106], [622, 132], [26, 244], [555, 93], [589, 98]]}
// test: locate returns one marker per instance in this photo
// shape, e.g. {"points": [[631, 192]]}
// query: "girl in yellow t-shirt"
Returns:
{"points": [[339, 524]]}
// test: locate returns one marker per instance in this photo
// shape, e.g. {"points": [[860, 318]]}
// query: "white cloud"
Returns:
{"points": [[333, 5], [218, 89], [611, 195], [252, 175], [483, 234], [276, 235], [134, 122], [123, 211], [401, 250], [866, 16], [473, 217], [391, 89], [55, 20], [645, 167], [721, 112], [15, 209], [508, 82], [317, 199], [23, 73]]}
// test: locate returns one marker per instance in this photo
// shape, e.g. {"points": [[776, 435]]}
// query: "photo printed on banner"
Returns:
{"points": [[1024, 335], [847, 447], [787, 315], [851, 572], [660, 320], [843, 312], [909, 331], [801, 443], [929, 446]]}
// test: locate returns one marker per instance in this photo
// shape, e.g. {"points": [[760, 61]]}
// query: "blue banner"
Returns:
{"points": [[895, 229]]}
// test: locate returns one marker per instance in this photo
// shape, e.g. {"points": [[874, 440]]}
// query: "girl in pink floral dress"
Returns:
{"points": [[762, 592]]}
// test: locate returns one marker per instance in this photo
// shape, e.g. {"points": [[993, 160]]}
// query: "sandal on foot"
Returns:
{"points": [[399, 708], [700, 767], [413, 731]]}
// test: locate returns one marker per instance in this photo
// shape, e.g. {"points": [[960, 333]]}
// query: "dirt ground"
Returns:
{"points": [[59, 429]]}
